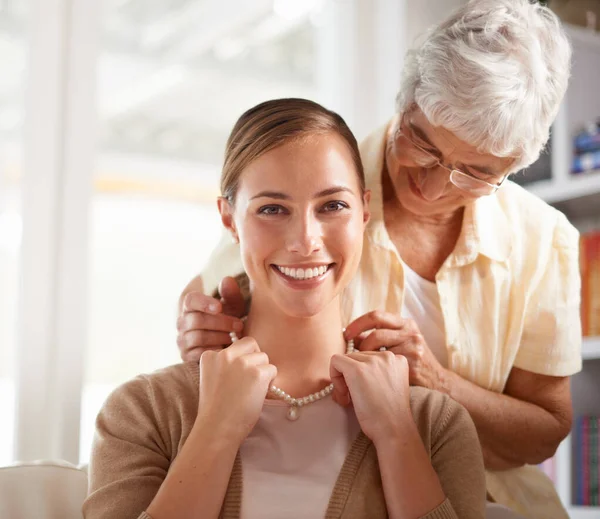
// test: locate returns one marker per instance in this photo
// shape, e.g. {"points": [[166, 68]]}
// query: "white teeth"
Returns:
{"points": [[298, 273]]}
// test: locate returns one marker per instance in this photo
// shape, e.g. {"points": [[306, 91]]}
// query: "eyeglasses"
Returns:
{"points": [[464, 180]]}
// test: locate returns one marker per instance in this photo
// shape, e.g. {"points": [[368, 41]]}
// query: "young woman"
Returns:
{"points": [[290, 413]]}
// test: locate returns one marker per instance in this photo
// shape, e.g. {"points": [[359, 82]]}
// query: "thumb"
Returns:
{"points": [[341, 392], [231, 297]]}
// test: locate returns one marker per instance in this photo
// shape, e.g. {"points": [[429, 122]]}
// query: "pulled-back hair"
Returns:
{"points": [[274, 123]]}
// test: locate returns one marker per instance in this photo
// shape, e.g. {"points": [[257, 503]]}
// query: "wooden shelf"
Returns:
{"points": [[590, 349]]}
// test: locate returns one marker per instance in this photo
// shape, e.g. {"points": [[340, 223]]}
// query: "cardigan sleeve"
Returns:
{"points": [[129, 458], [458, 461]]}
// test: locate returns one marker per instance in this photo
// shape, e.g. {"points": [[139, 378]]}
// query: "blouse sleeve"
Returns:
{"points": [[129, 459], [225, 260], [551, 340]]}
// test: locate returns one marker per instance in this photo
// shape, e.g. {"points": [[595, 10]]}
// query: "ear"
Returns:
{"points": [[366, 209], [226, 210]]}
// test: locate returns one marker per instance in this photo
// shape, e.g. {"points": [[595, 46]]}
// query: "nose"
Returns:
{"points": [[305, 235], [433, 182]]}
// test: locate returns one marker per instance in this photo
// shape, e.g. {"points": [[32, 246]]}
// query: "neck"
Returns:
{"points": [[300, 347]]}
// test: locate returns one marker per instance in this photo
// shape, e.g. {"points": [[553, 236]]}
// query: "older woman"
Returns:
{"points": [[471, 278]]}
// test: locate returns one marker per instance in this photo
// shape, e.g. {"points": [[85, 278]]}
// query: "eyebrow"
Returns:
{"points": [[282, 196]]}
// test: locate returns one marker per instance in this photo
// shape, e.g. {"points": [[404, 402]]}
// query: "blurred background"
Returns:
{"points": [[113, 120]]}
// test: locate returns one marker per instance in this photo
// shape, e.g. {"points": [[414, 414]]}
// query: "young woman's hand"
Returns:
{"points": [[376, 384], [402, 337], [205, 322], [233, 386]]}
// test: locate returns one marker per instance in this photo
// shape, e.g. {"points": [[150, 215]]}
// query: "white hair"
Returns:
{"points": [[494, 74]]}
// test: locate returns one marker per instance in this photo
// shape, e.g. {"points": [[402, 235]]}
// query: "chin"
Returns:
{"points": [[423, 207], [302, 309]]}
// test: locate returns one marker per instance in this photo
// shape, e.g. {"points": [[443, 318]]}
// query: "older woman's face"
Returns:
{"points": [[419, 159]]}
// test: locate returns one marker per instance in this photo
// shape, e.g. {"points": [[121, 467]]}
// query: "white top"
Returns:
{"points": [[289, 468], [422, 305]]}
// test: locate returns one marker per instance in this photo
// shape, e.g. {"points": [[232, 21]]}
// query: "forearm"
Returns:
{"points": [[197, 481], [410, 484], [512, 432]]}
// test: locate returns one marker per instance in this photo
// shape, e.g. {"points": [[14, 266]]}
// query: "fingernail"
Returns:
{"points": [[213, 307]]}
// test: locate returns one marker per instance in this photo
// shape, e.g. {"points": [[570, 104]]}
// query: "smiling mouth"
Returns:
{"points": [[299, 274]]}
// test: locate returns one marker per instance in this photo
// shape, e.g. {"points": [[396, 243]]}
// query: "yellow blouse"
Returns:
{"points": [[509, 293]]}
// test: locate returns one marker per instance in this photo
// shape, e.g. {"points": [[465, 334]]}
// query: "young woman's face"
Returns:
{"points": [[299, 216]]}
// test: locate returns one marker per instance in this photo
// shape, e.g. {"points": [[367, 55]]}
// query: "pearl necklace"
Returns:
{"points": [[296, 403]]}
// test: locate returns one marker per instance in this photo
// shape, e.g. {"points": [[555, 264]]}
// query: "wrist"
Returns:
{"points": [[401, 431], [445, 381], [218, 438]]}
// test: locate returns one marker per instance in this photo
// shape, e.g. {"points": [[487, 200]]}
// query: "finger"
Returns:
{"points": [[204, 339], [231, 297], [259, 358], [199, 302], [241, 347], [191, 321], [341, 392], [268, 374], [385, 338], [194, 354], [360, 338], [373, 320]]}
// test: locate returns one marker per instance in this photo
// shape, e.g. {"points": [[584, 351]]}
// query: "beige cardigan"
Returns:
{"points": [[145, 422]]}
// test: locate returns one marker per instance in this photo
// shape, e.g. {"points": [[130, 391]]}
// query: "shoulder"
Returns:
{"points": [[225, 260], [536, 219], [155, 396]]}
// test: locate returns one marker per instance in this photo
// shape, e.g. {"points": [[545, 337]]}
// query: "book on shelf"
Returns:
{"points": [[586, 146], [586, 142], [587, 463], [590, 283], [585, 162]]}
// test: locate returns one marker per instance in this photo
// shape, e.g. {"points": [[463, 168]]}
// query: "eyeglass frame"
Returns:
{"points": [[452, 170]]}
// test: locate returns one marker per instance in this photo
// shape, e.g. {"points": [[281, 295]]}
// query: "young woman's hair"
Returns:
{"points": [[274, 123]]}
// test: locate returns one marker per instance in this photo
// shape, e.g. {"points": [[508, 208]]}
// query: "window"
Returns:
{"points": [[173, 78], [13, 48]]}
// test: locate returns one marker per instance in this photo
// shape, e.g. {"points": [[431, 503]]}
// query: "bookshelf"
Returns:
{"points": [[578, 197], [591, 349]]}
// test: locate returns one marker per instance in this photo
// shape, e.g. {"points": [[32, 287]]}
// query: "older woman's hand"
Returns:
{"points": [[400, 336], [205, 323]]}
